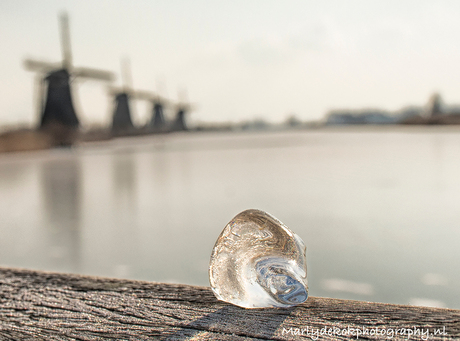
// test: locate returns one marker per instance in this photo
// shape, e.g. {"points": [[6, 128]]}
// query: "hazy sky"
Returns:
{"points": [[239, 59]]}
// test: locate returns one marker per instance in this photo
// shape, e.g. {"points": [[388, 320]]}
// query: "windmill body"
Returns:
{"points": [[157, 122], [434, 107], [121, 122], [158, 119], [182, 108], [59, 107], [179, 122]]}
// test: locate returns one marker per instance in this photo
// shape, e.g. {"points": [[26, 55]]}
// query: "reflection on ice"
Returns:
{"points": [[434, 279], [61, 195], [122, 271], [337, 284], [426, 302]]}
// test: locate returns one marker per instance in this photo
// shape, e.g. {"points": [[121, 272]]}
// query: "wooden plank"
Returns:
{"points": [[50, 306]]}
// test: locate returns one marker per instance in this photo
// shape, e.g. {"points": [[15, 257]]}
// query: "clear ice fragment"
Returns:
{"points": [[258, 262]]}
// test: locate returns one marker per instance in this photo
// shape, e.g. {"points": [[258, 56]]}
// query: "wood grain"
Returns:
{"points": [[51, 306]]}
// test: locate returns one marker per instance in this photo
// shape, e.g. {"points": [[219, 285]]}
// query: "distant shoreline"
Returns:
{"points": [[26, 140]]}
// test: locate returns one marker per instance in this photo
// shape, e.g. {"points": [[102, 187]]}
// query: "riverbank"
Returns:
{"points": [[21, 140]]}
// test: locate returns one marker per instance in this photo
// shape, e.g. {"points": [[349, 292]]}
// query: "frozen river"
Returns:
{"points": [[378, 208]]}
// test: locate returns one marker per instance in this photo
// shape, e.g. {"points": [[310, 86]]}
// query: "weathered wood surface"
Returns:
{"points": [[50, 306]]}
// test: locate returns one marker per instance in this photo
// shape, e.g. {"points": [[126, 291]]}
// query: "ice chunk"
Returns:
{"points": [[259, 262]]}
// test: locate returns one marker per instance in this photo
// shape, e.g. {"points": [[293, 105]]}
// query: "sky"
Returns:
{"points": [[238, 60]]}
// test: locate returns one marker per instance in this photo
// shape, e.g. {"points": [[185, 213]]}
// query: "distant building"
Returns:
{"points": [[434, 106], [408, 112], [366, 116], [434, 112], [453, 110], [256, 124], [292, 121]]}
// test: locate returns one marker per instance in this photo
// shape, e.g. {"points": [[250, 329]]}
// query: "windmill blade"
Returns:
{"points": [[161, 92], [116, 90], [84, 72], [149, 96], [186, 106], [126, 75], [39, 95], [161, 100], [65, 41], [160, 87], [183, 102], [112, 90], [41, 66], [143, 95], [182, 95]]}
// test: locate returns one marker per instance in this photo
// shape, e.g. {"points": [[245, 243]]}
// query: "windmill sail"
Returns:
{"points": [[65, 42]]}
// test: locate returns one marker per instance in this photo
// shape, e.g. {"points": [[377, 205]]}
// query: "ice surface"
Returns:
{"points": [[258, 262]]}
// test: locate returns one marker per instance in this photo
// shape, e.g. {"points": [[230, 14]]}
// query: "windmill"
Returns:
{"points": [[121, 120], [181, 108], [157, 122], [57, 113]]}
